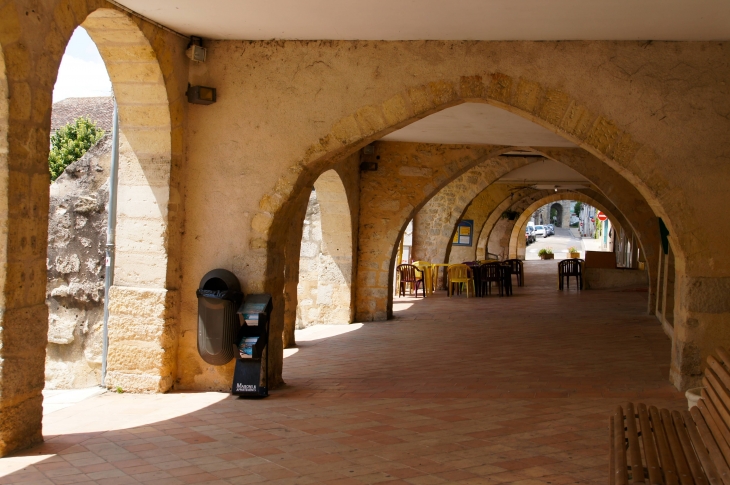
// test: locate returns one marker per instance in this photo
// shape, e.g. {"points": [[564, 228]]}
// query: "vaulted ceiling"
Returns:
{"points": [[442, 19]]}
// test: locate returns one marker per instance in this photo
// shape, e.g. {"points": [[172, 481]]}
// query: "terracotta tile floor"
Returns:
{"points": [[497, 390]]}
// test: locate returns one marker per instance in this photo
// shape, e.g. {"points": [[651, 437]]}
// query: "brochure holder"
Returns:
{"points": [[254, 316]]}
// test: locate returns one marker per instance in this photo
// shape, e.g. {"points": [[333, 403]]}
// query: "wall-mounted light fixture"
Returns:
{"points": [[201, 95], [196, 52], [368, 159]]}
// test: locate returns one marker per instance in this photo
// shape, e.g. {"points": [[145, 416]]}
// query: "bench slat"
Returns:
{"points": [[637, 467], [713, 475], [705, 437], [721, 399], [717, 409], [714, 429], [720, 371], [619, 443], [665, 454], [683, 472], [724, 356], [650, 453], [694, 463], [611, 453]]}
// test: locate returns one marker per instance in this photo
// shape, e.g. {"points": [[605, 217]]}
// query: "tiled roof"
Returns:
{"points": [[99, 109]]}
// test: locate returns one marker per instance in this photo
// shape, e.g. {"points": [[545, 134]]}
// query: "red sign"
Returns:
{"points": [[601, 216]]}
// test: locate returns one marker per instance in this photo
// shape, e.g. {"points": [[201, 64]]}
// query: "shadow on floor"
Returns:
{"points": [[488, 390]]}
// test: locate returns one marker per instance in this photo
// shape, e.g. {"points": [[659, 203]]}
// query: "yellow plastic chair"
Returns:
{"points": [[460, 274]]}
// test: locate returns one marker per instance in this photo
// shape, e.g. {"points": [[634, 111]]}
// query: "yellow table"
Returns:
{"points": [[435, 272]]}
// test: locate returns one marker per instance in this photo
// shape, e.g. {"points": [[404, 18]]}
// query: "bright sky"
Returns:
{"points": [[82, 72]]}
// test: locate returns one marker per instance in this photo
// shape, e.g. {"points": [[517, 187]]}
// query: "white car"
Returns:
{"points": [[540, 231]]}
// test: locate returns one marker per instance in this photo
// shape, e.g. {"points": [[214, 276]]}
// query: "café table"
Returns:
{"points": [[435, 273]]}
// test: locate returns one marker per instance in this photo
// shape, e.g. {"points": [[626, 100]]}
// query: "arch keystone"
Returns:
{"points": [[472, 86]]}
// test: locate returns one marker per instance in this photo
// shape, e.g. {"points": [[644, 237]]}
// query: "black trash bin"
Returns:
{"points": [[219, 296]]}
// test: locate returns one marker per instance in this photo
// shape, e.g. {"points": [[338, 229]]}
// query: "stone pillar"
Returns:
{"points": [[660, 282], [702, 323], [668, 288], [23, 234], [567, 209], [142, 339]]}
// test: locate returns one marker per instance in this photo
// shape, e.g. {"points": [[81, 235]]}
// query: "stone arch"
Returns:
{"points": [[145, 316], [559, 214], [324, 292], [139, 297], [479, 210], [445, 208], [393, 205], [499, 234], [545, 105], [455, 197], [548, 107], [144, 120], [495, 217], [517, 244], [432, 168]]}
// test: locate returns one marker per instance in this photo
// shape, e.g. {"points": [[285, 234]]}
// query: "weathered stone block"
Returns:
{"points": [[528, 95], [395, 110], [346, 130], [139, 357], [138, 382], [500, 88], [20, 424], [145, 116]]}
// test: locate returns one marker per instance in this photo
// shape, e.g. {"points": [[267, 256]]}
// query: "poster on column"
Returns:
{"points": [[464, 233]]}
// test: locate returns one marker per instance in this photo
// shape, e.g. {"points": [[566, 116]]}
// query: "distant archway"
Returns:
{"points": [[517, 240], [556, 214], [324, 292]]}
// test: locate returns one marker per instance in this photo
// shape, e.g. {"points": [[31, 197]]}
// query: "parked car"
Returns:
{"points": [[550, 229], [540, 231], [530, 235]]}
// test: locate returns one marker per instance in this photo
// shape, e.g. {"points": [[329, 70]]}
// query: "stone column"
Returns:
{"points": [[23, 234], [668, 288]]}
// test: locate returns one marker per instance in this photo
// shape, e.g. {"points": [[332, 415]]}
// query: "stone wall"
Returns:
{"points": [[607, 278], [77, 220]]}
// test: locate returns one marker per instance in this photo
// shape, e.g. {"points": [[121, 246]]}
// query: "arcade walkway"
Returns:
{"points": [[498, 390]]}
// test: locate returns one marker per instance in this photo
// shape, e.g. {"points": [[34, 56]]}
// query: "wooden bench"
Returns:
{"points": [[663, 447]]}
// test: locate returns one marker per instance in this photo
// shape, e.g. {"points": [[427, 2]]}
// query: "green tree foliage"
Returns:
{"points": [[577, 207], [70, 143]]}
